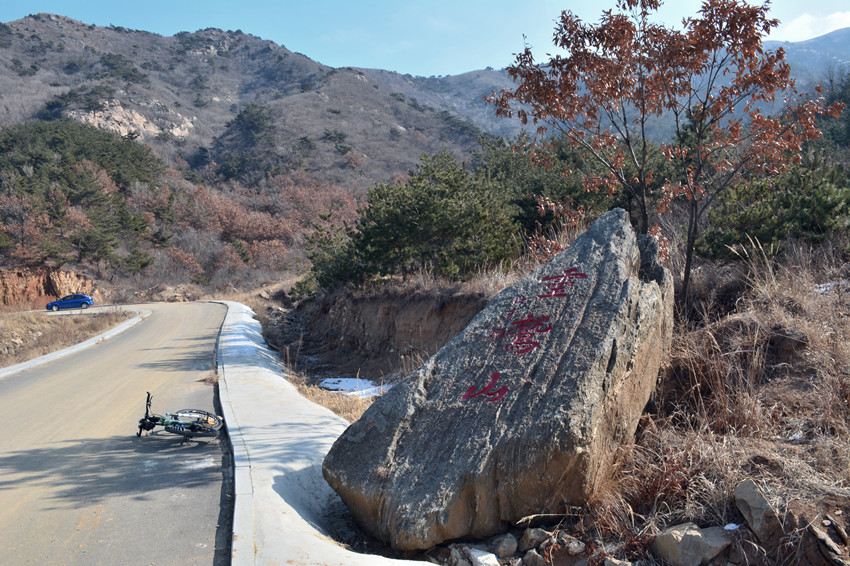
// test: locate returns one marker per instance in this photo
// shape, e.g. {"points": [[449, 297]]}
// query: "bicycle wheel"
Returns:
{"points": [[195, 422], [190, 429]]}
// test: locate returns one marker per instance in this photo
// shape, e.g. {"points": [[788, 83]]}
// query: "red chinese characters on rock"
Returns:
{"points": [[557, 284], [522, 332], [488, 390]]}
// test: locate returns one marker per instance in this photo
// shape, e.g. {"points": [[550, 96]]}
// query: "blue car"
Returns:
{"points": [[76, 301]]}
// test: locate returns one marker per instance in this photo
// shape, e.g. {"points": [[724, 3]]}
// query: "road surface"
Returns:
{"points": [[76, 484]]}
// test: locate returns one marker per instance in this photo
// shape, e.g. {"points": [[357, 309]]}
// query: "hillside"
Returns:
{"points": [[246, 146], [348, 126], [250, 144], [214, 153], [818, 59]]}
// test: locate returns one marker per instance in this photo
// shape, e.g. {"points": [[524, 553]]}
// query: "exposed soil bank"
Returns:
{"points": [[349, 334], [37, 286]]}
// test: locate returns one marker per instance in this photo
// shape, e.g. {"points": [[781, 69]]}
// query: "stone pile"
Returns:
{"points": [[813, 542]]}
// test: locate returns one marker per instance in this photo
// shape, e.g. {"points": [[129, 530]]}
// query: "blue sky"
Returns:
{"points": [[420, 37]]}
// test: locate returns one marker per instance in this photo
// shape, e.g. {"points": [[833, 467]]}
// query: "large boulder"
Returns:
{"points": [[521, 412]]}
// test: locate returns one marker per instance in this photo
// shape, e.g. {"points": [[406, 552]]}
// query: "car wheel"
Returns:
{"points": [[54, 308], [84, 306]]}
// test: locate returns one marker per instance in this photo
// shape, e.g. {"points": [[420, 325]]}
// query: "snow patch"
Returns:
{"points": [[354, 386], [841, 286]]}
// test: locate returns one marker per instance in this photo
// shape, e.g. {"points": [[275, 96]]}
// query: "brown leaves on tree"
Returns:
{"points": [[712, 76]]}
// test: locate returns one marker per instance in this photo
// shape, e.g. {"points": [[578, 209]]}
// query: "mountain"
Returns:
{"points": [[813, 61], [182, 95], [215, 153]]}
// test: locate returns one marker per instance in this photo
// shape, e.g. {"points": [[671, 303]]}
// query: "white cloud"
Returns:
{"points": [[807, 26]]}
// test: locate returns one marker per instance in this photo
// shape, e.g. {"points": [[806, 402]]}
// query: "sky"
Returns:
{"points": [[417, 37]]}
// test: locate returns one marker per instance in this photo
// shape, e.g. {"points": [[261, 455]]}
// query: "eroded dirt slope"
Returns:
{"points": [[348, 334], [37, 286]]}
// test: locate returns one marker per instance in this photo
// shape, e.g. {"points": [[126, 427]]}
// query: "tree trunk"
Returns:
{"points": [[689, 257]]}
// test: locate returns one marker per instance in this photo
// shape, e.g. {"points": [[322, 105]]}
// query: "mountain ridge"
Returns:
{"points": [[352, 126], [815, 60], [349, 126]]}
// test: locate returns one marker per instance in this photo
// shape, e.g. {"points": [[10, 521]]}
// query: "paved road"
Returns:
{"points": [[76, 484]]}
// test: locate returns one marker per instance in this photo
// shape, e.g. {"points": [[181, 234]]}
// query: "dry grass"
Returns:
{"points": [[28, 335], [759, 390], [349, 407], [211, 378]]}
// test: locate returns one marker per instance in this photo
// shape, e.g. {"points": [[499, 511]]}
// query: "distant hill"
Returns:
{"points": [[814, 60], [225, 149], [349, 126]]}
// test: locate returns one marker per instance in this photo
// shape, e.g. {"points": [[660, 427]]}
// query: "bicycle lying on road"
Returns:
{"points": [[185, 422]]}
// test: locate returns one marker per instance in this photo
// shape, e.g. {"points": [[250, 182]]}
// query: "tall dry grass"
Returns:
{"points": [[758, 388], [28, 335], [348, 406]]}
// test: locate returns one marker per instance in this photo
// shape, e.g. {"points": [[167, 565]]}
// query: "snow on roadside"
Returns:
{"points": [[354, 386], [842, 286]]}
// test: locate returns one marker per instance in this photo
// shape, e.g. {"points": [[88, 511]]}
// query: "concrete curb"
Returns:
{"points": [[243, 548], [127, 324]]}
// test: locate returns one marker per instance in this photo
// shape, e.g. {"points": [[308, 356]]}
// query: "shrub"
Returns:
{"points": [[809, 202], [120, 67], [443, 220], [246, 151], [22, 70], [334, 136]]}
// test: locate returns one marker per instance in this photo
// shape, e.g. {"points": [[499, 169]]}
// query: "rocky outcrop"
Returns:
{"points": [[757, 511], [521, 412], [168, 294], [113, 117], [37, 286], [819, 541]]}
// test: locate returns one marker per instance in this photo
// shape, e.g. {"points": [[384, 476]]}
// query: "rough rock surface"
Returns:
{"points": [[115, 118], [688, 545], [533, 558], [521, 412], [504, 546], [757, 511], [531, 538]]}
